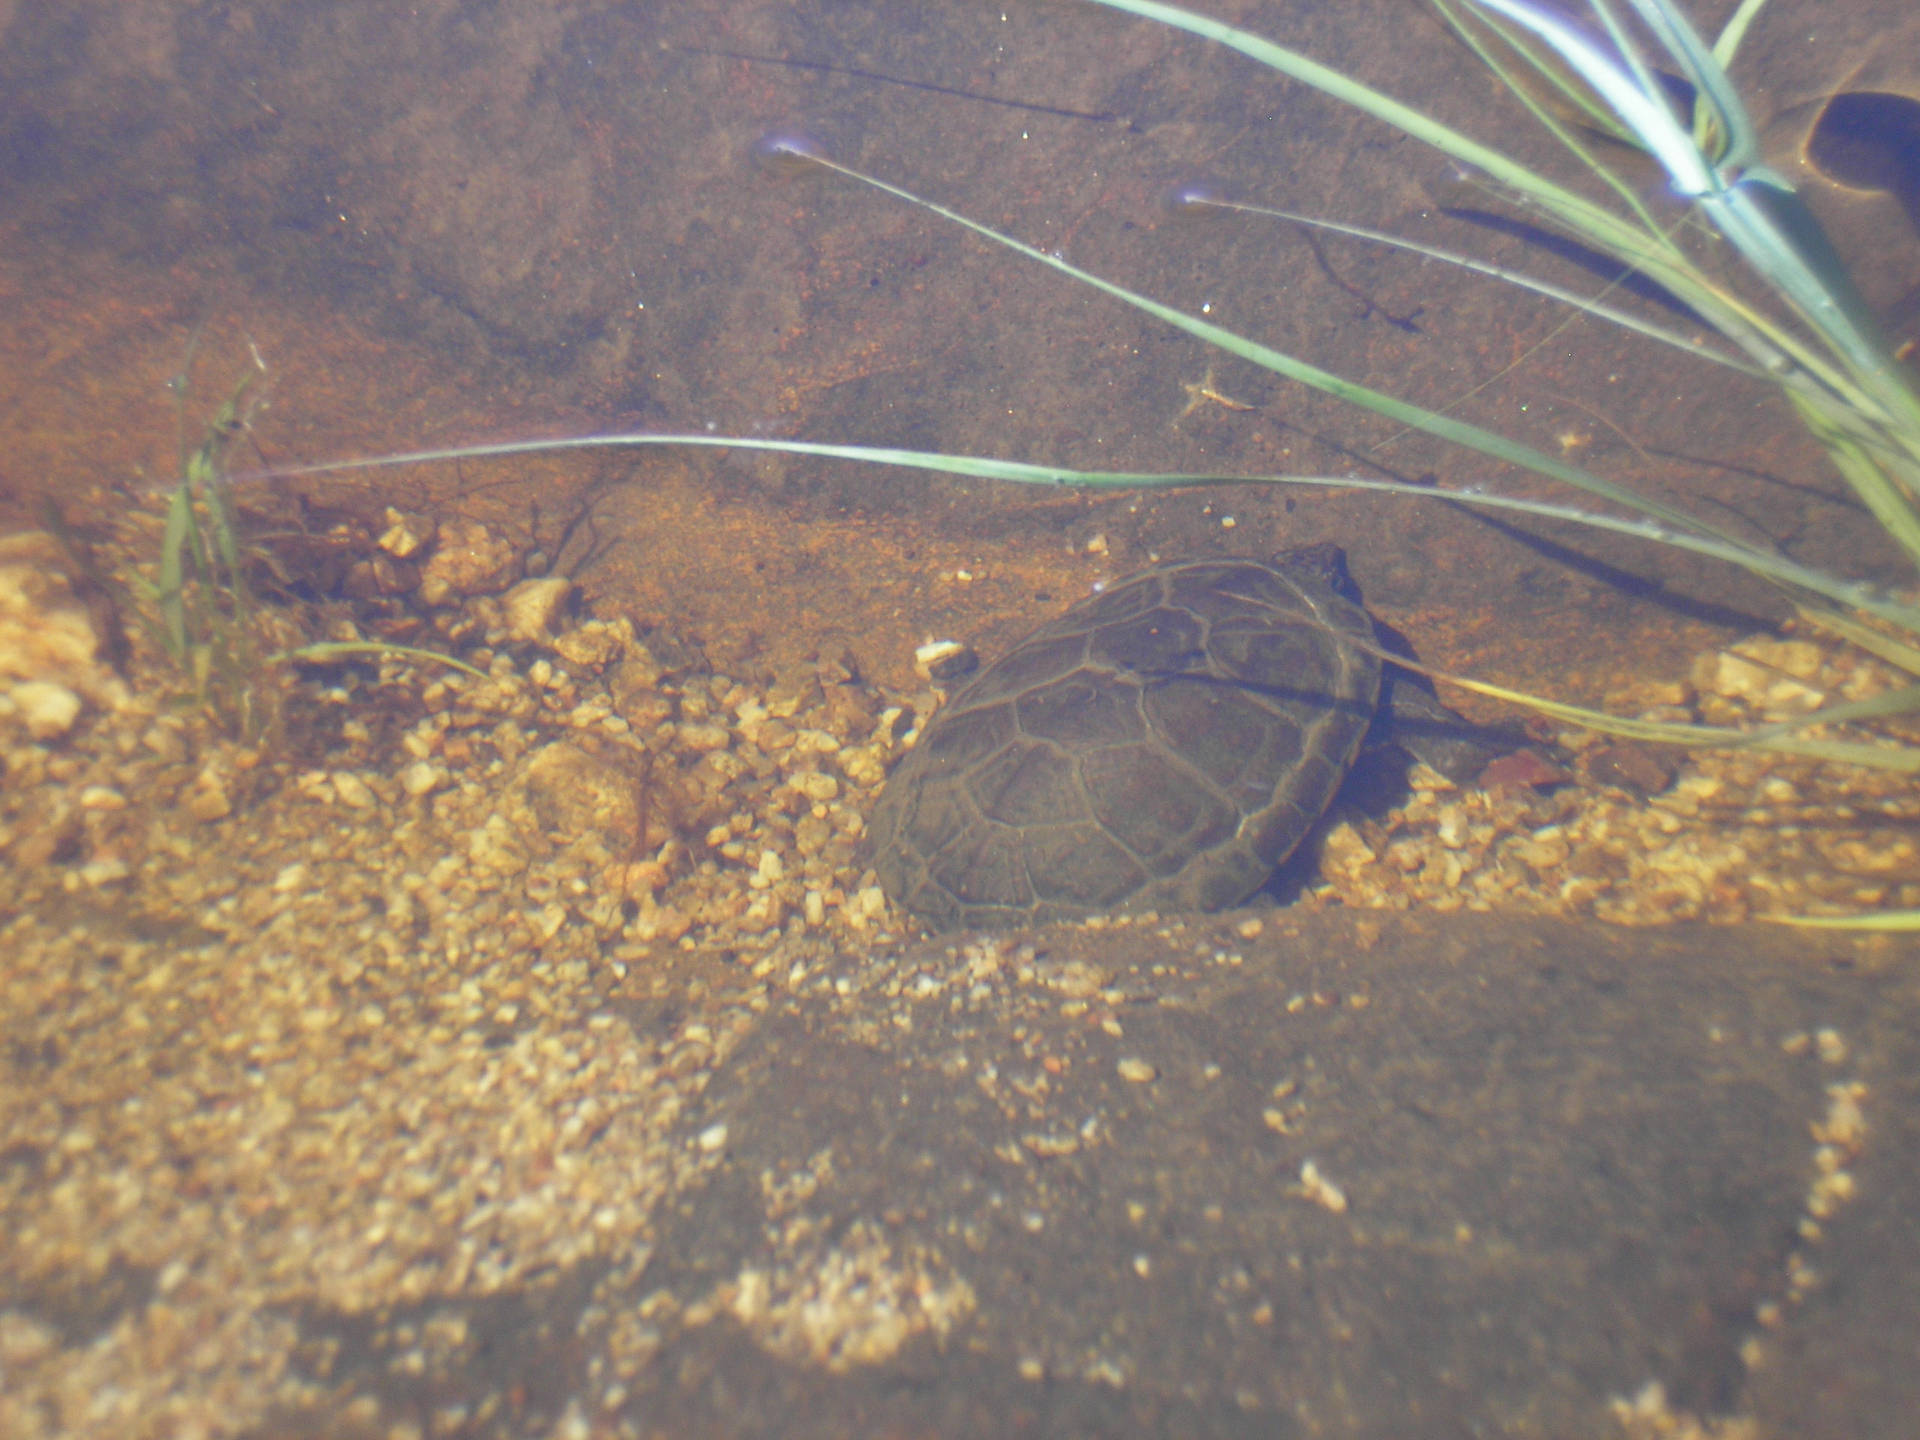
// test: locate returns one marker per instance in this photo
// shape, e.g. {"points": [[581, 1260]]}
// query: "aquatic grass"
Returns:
{"points": [[1869, 446], [1850, 593], [1781, 737], [1834, 362], [198, 604], [1811, 336]]}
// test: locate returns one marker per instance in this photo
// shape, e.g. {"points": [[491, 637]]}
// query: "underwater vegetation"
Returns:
{"points": [[228, 657], [1732, 244]]}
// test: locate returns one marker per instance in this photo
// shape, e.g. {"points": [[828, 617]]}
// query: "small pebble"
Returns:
{"points": [[945, 659], [422, 778], [353, 791], [532, 606], [49, 710], [701, 737], [1322, 1191]]}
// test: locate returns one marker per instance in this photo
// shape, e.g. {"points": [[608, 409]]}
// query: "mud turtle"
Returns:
{"points": [[1163, 745]]}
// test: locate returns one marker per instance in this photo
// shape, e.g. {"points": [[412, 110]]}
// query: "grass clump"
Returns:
{"points": [[229, 657], [197, 604]]}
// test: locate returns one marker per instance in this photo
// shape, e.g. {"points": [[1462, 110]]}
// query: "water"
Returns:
{"points": [[430, 1069]]}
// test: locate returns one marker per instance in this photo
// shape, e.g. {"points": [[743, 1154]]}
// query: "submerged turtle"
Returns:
{"points": [[1163, 745]]}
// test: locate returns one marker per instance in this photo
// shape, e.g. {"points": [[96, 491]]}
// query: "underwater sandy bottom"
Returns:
{"points": [[556, 1013], [536, 1055]]}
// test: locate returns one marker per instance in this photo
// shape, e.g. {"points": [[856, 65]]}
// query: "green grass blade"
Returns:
{"points": [[1577, 97], [1459, 432], [1634, 242], [1627, 89], [1902, 701], [1901, 654], [1781, 738], [199, 471], [1886, 921], [168, 591], [1573, 209], [1755, 210], [1640, 247], [325, 652], [1844, 593], [1728, 42], [1773, 229], [1871, 482], [1726, 131], [1586, 304], [220, 522]]}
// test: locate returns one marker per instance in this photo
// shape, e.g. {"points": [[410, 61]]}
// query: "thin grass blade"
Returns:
{"points": [[1887, 921], [325, 652], [1846, 593]]}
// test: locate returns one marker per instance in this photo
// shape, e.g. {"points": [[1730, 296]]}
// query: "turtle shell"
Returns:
{"points": [[1162, 745]]}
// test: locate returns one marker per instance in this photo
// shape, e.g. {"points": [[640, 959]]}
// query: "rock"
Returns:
{"points": [[532, 606], [381, 575], [493, 846], [103, 871], [574, 794], [48, 710], [945, 660], [469, 560], [53, 837], [593, 645], [422, 778], [50, 665], [816, 785], [1638, 769], [1774, 677], [700, 737], [353, 791], [405, 535], [210, 802]]}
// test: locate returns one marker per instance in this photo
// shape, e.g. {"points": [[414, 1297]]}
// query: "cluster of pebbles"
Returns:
{"points": [[1638, 835], [378, 1011], [584, 786], [421, 995], [598, 788]]}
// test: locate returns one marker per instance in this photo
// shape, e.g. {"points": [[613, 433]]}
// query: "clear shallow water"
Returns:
{"points": [[464, 223]]}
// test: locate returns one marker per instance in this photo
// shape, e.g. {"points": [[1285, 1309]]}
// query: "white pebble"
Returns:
{"points": [[532, 605], [103, 871], [816, 785], [353, 791], [1320, 1190], [926, 656], [49, 710], [422, 779], [701, 737]]}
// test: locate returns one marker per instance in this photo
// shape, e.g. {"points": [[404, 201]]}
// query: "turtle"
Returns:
{"points": [[1162, 745]]}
